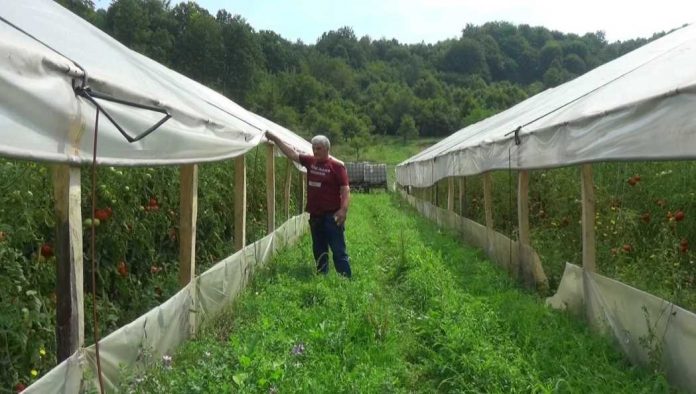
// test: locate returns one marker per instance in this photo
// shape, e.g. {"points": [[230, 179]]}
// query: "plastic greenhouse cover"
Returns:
{"points": [[637, 107], [45, 50]]}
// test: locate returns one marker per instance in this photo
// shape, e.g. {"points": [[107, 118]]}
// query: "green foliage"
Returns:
{"points": [[421, 314], [407, 128], [241, 56]]}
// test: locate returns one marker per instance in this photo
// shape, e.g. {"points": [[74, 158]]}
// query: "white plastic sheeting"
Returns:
{"points": [[159, 331], [637, 107], [41, 118], [643, 325]]}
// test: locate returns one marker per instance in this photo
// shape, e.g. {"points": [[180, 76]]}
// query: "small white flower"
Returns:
{"points": [[167, 361]]}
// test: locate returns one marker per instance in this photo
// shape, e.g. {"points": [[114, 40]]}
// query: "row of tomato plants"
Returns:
{"points": [[645, 221], [137, 247]]}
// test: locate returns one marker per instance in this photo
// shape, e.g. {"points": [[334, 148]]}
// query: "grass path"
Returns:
{"points": [[422, 314]]}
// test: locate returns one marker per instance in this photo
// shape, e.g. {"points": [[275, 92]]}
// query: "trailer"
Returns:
{"points": [[364, 176]]}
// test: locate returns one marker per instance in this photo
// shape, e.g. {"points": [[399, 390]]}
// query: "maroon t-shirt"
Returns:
{"points": [[324, 181]]}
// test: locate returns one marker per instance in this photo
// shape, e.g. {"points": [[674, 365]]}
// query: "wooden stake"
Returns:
{"points": [[462, 196], [588, 219], [270, 187], [70, 315], [288, 184], [523, 206], [187, 223], [303, 192], [450, 194], [239, 202], [488, 199]]}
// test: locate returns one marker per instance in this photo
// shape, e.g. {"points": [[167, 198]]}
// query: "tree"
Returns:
{"points": [[407, 128], [574, 64], [465, 56], [279, 54], [344, 44], [242, 59], [198, 48], [300, 90], [145, 26], [356, 131], [551, 52]]}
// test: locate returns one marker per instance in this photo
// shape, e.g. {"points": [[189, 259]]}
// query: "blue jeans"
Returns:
{"points": [[326, 233]]}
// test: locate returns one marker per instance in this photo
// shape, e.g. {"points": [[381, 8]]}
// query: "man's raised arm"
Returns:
{"points": [[286, 149]]}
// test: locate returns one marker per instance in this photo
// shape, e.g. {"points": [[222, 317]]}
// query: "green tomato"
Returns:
{"points": [[88, 222]]}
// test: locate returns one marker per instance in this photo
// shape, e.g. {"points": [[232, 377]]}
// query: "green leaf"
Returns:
{"points": [[244, 361], [239, 378]]}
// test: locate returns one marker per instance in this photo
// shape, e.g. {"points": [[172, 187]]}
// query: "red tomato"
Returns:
{"points": [[627, 248], [46, 250], [679, 215], [19, 387], [101, 214], [122, 268]]}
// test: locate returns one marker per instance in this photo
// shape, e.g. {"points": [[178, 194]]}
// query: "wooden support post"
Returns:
{"points": [[70, 314], [523, 206], [588, 219], [187, 222], [435, 194], [462, 196], [303, 193], [239, 202], [270, 187], [488, 199], [288, 184], [450, 194]]}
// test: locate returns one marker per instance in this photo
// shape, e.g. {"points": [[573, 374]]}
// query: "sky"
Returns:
{"points": [[430, 21]]}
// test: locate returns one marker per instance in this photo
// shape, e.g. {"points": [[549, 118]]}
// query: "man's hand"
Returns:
{"points": [[287, 150], [270, 136], [340, 216]]}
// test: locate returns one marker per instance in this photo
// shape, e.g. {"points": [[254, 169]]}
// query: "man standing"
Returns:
{"points": [[328, 195]]}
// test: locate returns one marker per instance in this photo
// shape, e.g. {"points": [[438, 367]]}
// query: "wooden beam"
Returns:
{"points": [[187, 222], [70, 315], [435, 194], [450, 194], [462, 196], [588, 219], [523, 206], [239, 202], [303, 193], [270, 187], [488, 199], [288, 184]]}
